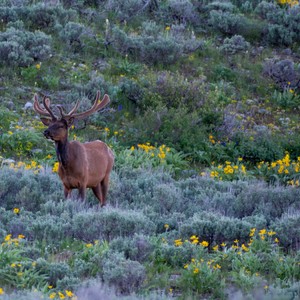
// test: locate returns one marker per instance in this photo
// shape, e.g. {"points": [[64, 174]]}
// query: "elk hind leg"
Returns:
{"points": [[98, 193], [104, 187]]}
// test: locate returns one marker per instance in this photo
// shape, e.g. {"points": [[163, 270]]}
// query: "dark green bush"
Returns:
{"points": [[261, 147]]}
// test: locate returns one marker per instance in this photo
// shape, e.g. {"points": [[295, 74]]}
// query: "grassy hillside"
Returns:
{"points": [[204, 198]]}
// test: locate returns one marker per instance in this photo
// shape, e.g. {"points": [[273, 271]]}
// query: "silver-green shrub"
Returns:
{"points": [[235, 44], [109, 224], [125, 275], [138, 248], [153, 45], [72, 33], [264, 8], [215, 228], [125, 10], [285, 73], [225, 22], [223, 6], [180, 12], [22, 47], [26, 189]]}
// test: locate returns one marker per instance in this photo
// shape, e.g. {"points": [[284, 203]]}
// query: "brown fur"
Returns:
{"points": [[81, 165]]}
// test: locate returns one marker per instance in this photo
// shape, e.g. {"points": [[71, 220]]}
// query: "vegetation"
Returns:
{"points": [[204, 196]]}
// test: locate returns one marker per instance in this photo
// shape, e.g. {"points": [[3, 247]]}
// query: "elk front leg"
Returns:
{"points": [[67, 193], [82, 193]]}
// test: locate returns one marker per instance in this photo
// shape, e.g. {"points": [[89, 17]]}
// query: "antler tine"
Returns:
{"points": [[74, 109], [61, 110], [96, 106], [46, 102], [38, 108]]}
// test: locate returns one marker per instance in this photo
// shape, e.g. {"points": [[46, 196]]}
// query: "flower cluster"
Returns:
{"points": [[9, 240], [290, 3], [193, 240], [159, 152], [228, 171], [285, 169], [197, 265], [62, 295], [33, 166]]}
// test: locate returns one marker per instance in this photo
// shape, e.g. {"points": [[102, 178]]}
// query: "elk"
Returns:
{"points": [[81, 165]]}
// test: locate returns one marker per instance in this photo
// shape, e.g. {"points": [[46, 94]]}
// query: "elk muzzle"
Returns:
{"points": [[47, 134]]}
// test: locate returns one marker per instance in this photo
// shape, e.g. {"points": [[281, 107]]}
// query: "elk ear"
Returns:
{"points": [[46, 121]]}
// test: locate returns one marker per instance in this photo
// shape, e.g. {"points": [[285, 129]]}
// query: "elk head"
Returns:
{"points": [[58, 126]]}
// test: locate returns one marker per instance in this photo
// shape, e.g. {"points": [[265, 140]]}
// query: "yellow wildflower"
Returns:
{"points": [[61, 295], [89, 245], [215, 248], [262, 232], [246, 249], [52, 295], [204, 243], [1, 291], [69, 293], [55, 167], [196, 270], [16, 210], [7, 238], [178, 242]]}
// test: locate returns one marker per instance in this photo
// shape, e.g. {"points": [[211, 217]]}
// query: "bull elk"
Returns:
{"points": [[81, 165]]}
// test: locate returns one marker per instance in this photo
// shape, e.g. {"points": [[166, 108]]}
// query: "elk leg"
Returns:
{"points": [[104, 187], [67, 193], [98, 193], [81, 193]]}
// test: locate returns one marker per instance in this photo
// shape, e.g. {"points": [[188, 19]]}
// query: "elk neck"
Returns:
{"points": [[61, 148]]}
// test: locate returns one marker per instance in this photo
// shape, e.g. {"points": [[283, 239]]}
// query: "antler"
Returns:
{"points": [[46, 111], [79, 116]]}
